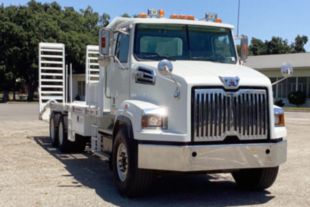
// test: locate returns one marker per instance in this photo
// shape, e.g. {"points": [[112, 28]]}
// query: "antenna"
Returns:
{"points": [[238, 20]]}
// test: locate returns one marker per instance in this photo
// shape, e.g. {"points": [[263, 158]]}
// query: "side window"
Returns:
{"points": [[122, 48]]}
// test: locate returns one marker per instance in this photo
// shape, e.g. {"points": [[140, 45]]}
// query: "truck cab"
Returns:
{"points": [[174, 96]]}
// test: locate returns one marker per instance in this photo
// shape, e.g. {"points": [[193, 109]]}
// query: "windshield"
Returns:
{"points": [[184, 42]]}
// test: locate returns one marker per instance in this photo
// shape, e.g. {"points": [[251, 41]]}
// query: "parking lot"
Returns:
{"points": [[32, 173]]}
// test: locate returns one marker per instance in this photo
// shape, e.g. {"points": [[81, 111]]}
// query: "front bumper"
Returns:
{"points": [[194, 158]]}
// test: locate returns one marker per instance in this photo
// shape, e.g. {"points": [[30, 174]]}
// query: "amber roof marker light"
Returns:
{"points": [[181, 16]]}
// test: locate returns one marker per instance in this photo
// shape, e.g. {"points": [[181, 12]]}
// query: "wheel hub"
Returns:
{"points": [[122, 162], [60, 133], [52, 130]]}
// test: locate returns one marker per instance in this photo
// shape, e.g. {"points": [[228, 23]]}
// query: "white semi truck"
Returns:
{"points": [[171, 95]]}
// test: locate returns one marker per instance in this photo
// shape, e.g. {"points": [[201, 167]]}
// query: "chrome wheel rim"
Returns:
{"points": [[122, 162], [60, 133]]}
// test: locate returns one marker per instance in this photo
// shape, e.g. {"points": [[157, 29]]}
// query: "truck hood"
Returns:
{"points": [[208, 73]]}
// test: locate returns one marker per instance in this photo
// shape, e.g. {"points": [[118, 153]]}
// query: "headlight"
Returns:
{"points": [[154, 121], [279, 119]]}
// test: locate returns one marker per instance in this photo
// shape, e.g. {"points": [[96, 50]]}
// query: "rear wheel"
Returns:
{"points": [[53, 131], [129, 180], [256, 179], [64, 144]]}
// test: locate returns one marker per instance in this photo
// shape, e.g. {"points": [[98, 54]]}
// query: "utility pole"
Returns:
{"points": [[238, 20]]}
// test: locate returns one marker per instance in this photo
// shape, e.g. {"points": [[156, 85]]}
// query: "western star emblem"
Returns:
{"points": [[230, 82]]}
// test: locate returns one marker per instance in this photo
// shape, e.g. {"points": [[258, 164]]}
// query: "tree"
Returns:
{"points": [[257, 47], [300, 42], [22, 28], [277, 45], [11, 37], [105, 19]]}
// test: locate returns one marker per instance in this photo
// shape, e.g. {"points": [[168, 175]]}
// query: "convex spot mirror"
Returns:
{"points": [[244, 43], [165, 67], [287, 70]]}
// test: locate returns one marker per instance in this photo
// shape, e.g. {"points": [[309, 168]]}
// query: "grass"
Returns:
{"points": [[295, 108]]}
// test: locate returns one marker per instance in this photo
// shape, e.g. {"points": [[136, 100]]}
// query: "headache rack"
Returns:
{"points": [[218, 113]]}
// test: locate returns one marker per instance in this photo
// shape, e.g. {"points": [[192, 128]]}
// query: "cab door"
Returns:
{"points": [[119, 72]]}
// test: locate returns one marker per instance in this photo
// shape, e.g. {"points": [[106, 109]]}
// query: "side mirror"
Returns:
{"points": [[165, 67], [244, 47], [287, 70], [104, 42]]}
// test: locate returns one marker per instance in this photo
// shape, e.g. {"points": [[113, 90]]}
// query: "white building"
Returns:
{"points": [[270, 66]]}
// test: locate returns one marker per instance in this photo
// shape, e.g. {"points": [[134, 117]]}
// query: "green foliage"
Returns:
{"points": [[300, 42], [277, 45], [297, 98], [22, 28], [104, 19], [257, 47]]}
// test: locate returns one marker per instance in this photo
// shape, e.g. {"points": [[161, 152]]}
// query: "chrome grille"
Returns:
{"points": [[217, 114]]}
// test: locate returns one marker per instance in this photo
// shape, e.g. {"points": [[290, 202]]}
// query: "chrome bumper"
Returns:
{"points": [[193, 158]]}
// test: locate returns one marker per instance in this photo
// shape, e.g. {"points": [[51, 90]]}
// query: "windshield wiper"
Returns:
{"points": [[203, 58], [155, 56], [167, 57]]}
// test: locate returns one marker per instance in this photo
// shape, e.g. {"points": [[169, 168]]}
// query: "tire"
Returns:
{"points": [[53, 130], [256, 179], [64, 144], [130, 180]]}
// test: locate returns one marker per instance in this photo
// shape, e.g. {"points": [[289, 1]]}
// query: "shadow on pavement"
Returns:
{"points": [[177, 190]]}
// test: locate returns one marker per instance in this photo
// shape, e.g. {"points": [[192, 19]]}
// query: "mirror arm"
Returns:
{"points": [[241, 62], [106, 84], [279, 81], [119, 62], [121, 31], [177, 92]]}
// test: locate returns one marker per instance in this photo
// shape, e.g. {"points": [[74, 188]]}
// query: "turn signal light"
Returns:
{"points": [[280, 120], [279, 117]]}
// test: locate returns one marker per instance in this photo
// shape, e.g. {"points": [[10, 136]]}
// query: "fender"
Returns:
{"points": [[131, 112], [122, 121]]}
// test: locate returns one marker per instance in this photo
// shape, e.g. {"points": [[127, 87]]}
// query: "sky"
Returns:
{"points": [[258, 18]]}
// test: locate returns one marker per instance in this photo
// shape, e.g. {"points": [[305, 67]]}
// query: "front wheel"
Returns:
{"points": [[256, 179], [129, 180]]}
